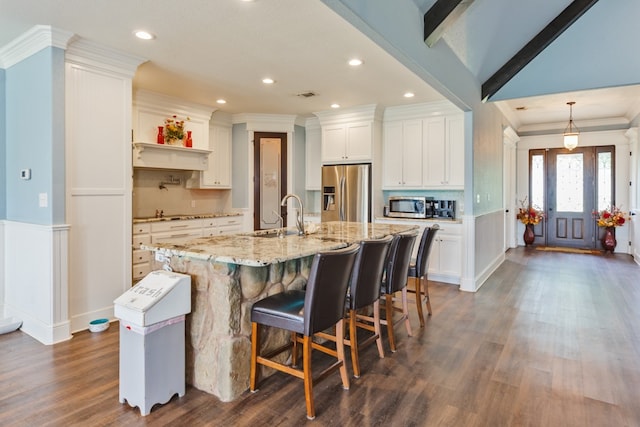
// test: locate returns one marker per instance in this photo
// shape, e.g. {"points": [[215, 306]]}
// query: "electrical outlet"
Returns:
{"points": [[193, 203], [43, 200]]}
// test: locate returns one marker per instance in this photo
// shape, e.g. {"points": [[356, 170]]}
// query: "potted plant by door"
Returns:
{"points": [[609, 219], [529, 216]]}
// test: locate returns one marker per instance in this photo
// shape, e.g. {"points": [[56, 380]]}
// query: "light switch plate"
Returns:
{"points": [[25, 174]]}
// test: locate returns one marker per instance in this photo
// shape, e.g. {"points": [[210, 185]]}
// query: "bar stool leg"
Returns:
{"points": [[353, 341], [308, 381], [340, 351], [426, 292], [388, 305], [405, 311], [418, 281], [255, 345], [376, 327]]}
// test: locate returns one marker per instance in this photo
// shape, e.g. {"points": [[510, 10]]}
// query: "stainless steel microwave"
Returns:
{"points": [[410, 207]]}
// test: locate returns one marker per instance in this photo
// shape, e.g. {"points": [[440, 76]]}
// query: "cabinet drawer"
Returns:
{"points": [[176, 236], [140, 256], [141, 239], [165, 226], [138, 271], [143, 228], [230, 229], [221, 221]]}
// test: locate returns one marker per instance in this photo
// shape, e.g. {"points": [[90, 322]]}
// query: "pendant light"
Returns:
{"points": [[571, 132]]}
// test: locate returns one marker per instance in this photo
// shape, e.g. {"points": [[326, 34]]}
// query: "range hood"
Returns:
{"points": [[161, 156]]}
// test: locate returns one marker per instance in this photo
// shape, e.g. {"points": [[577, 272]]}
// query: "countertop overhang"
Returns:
{"points": [[254, 249]]}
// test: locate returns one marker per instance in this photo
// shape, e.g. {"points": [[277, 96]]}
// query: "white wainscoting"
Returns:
{"points": [[36, 279], [489, 247]]}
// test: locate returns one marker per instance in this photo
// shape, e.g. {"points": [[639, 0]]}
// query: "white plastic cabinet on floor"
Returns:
{"points": [[152, 339]]}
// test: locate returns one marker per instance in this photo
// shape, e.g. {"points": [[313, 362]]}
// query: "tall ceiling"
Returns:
{"points": [[206, 50]]}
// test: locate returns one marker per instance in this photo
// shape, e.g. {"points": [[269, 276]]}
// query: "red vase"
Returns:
{"points": [[160, 137], [609, 239], [189, 142], [529, 236]]}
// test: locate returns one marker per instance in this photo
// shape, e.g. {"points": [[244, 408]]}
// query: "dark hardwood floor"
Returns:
{"points": [[551, 339]]}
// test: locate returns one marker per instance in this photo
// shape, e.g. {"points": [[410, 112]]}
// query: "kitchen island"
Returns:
{"points": [[229, 274]]}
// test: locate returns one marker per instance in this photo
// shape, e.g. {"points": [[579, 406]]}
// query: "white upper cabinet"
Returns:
{"points": [[350, 142], [217, 175], [423, 147], [402, 160], [443, 156], [350, 136]]}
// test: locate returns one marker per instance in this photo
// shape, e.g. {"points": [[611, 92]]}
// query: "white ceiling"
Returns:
{"points": [[205, 50]]}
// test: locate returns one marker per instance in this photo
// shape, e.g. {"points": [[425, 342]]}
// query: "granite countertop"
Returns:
{"points": [[253, 250], [177, 217]]}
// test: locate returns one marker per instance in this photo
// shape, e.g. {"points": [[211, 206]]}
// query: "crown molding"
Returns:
{"points": [[87, 53], [420, 111], [33, 41], [370, 112], [266, 122]]}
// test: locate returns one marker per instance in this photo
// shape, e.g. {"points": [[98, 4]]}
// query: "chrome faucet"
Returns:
{"points": [[300, 216]]}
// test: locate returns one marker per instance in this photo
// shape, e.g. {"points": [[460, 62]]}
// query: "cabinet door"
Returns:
{"points": [[334, 140], [412, 153], [359, 141], [313, 168], [222, 146], [393, 154], [218, 173], [434, 152], [450, 248], [455, 150]]}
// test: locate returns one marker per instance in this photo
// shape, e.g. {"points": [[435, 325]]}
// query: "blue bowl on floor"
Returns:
{"points": [[99, 325]]}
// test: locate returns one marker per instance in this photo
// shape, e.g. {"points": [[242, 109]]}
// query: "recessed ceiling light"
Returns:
{"points": [[144, 35], [221, 101], [335, 105], [355, 62], [409, 95], [268, 81]]}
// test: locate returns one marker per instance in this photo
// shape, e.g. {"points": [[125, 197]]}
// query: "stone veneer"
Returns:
{"points": [[218, 349]]}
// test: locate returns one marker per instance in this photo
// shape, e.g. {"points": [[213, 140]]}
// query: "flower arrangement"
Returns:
{"points": [[611, 217], [529, 214], [174, 128]]}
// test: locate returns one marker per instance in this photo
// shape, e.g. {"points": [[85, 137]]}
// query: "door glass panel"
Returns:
{"points": [[569, 182], [537, 181], [604, 181], [269, 183]]}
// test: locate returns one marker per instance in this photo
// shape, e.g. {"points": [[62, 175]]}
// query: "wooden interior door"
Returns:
{"points": [[270, 180]]}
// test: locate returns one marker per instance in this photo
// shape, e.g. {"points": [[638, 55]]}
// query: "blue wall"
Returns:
{"points": [[3, 154], [239, 165], [35, 137]]}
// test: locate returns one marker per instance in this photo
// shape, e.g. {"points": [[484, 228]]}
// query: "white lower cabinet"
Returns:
{"points": [[221, 226], [140, 259], [445, 259]]}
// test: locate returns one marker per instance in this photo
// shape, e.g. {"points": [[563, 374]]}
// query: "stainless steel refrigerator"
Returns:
{"points": [[346, 193]]}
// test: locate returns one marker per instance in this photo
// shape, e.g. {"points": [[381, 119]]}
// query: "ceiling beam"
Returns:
{"points": [[536, 45], [441, 16]]}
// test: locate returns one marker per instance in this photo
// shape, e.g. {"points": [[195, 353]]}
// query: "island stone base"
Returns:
{"points": [[218, 341]]}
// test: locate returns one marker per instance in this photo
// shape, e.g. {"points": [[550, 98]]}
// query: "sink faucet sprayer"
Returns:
{"points": [[300, 216]]}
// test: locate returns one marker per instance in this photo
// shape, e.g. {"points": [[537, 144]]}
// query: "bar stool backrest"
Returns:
{"points": [[398, 262], [327, 289], [364, 287], [424, 249]]}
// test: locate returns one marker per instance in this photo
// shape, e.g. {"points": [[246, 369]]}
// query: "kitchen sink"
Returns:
{"points": [[274, 234]]}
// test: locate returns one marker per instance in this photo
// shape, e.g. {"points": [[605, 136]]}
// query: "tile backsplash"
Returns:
{"points": [[174, 198]]}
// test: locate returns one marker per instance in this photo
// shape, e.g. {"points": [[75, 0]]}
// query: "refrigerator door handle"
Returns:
{"points": [[342, 197]]}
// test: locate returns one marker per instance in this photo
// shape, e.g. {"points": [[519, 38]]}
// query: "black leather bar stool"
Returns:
{"points": [[364, 291], [395, 280], [418, 271], [305, 313]]}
